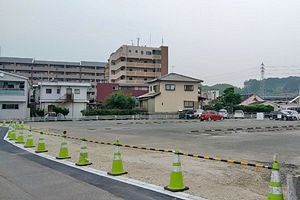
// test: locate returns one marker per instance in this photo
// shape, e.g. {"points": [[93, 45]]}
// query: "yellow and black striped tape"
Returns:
{"points": [[243, 162]]}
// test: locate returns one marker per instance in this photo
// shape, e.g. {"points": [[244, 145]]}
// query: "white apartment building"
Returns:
{"points": [[62, 94], [14, 90]]}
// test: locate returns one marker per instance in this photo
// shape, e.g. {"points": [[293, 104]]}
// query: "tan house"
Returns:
{"points": [[171, 93]]}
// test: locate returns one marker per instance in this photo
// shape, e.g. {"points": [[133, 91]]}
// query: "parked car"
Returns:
{"points": [[286, 115], [186, 114], [210, 115], [224, 113], [239, 114], [197, 113], [275, 115], [290, 115]]}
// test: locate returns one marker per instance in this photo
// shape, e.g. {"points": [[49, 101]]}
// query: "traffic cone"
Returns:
{"points": [[83, 155], [63, 151], [41, 147], [20, 138], [117, 165], [275, 183], [12, 134], [29, 141], [176, 178], [9, 132]]}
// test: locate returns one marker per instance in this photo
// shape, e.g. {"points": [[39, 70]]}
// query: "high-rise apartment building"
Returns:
{"points": [[133, 65], [42, 70]]}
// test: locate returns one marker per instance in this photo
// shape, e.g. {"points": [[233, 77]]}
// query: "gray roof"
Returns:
{"points": [[176, 77], [15, 60], [148, 95], [91, 63], [47, 62]]}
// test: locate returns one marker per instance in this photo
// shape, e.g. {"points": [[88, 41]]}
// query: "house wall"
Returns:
{"points": [[74, 108], [14, 96], [172, 101]]}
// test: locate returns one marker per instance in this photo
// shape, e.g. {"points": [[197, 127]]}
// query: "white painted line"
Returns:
{"points": [[122, 179]]}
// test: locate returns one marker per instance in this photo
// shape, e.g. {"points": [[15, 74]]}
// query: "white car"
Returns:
{"points": [[224, 113], [239, 114], [294, 113]]}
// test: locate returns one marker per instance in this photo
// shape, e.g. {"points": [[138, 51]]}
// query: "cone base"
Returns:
{"points": [[20, 142], [83, 164], [12, 139], [61, 158], [41, 151], [29, 146], [116, 174], [175, 189]]}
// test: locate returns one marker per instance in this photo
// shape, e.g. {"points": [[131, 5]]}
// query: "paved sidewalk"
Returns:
{"points": [[24, 176]]}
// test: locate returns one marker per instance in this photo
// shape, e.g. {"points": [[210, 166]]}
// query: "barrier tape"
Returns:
{"points": [[244, 163]]}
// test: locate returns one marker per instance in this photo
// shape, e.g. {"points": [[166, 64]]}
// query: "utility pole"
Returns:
{"points": [[262, 78]]}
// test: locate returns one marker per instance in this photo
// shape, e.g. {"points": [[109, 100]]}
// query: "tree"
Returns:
{"points": [[228, 100], [120, 101], [64, 111]]}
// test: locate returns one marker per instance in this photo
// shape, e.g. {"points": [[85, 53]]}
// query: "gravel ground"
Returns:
{"points": [[209, 179]]}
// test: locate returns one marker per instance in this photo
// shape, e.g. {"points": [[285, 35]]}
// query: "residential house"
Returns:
{"points": [[13, 96], [171, 93], [62, 94]]}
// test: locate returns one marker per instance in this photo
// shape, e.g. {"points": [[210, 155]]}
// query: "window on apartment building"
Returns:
{"points": [[142, 52], [136, 51], [10, 106], [170, 87], [145, 61], [130, 60], [129, 51], [156, 61], [148, 53], [58, 91], [145, 70], [130, 69], [188, 88], [48, 91], [188, 104], [145, 79], [77, 91], [130, 78], [156, 52]]}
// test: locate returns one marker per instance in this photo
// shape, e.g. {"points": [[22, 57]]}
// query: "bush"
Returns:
{"points": [[93, 112], [255, 108], [120, 101], [64, 111], [39, 112]]}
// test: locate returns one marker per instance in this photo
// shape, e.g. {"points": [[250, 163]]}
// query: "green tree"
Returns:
{"points": [[228, 100], [120, 101], [64, 111]]}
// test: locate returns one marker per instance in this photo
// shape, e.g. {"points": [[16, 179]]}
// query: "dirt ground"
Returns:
{"points": [[208, 179]]}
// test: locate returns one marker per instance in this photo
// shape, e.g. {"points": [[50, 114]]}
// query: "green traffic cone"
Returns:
{"points": [[20, 138], [275, 183], [117, 165], [41, 147], [13, 134], [63, 151], [176, 178], [83, 155], [29, 141]]}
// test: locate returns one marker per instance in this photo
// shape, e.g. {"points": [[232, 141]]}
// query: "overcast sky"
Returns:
{"points": [[214, 40]]}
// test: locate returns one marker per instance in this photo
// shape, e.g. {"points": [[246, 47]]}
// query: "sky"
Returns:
{"points": [[218, 41]]}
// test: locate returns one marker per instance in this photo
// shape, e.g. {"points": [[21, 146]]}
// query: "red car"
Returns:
{"points": [[210, 115]]}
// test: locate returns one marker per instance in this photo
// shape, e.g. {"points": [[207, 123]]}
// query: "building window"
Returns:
{"points": [[156, 52], [77, 91], [145, 70], [145, 79], [156, 88], [130, 78], [170, 87], [145, 61], [129, 51], [148, 53], [48, 91], [188, 88], [136, 51], [142, 52], [58, 91], [10, 106], [130, 69], [188, 104]]}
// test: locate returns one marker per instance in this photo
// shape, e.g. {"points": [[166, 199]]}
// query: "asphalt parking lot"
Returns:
{"points": [[256, 144]]}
